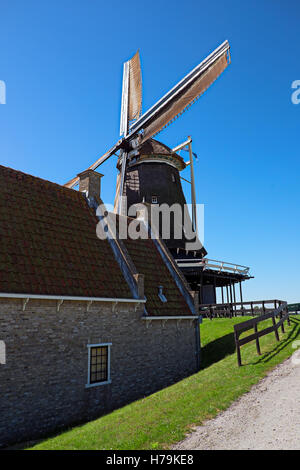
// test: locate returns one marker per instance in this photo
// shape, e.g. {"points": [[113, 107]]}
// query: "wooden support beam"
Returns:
{"points": [[231, 308], [215, 289], [234, 296], [201, 288]]}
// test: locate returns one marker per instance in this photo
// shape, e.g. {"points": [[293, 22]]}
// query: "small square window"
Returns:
{"points": [[98, 364], [154, 200]]}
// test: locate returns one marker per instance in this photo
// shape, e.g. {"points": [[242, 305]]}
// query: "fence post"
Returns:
{"points": [[275, 329], [238, 349], [257, 340], [282, 326], [288, 316]]}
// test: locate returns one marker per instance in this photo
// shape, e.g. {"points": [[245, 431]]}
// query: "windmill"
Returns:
{"points": [[136, 129], [149, 171]]}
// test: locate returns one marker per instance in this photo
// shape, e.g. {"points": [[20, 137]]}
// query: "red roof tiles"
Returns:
{"points": [[49, 246], [48, 242], [149, 262]]}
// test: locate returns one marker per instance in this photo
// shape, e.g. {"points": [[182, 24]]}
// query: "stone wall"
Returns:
{"points": [[43, 383]]}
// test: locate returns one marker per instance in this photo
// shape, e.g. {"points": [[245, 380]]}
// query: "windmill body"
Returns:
{"points": [[152, 177]]}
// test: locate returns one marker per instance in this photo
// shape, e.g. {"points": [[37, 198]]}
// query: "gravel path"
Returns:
{"points": [[268, 417]]}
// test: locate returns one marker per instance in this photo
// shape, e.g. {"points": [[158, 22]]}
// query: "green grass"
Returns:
{"points": [[163, 418]]}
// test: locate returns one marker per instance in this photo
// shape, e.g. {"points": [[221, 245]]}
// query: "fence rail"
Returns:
{"points": [[233, 309], [281, 312]]}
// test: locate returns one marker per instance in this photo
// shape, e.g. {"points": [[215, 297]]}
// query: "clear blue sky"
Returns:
{"points": [[62, 64]]}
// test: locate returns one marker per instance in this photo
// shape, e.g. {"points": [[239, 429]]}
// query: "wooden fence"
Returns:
{"points": [[281, 312], [253, 308]]}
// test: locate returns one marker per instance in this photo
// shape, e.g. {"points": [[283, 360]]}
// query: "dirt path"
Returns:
{"points": [[268, 417]]}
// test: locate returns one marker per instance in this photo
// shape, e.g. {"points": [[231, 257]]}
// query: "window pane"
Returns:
{"points": [[99, 364]]}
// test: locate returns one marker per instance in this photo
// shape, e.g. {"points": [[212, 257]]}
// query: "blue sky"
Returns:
{"points": [[62, 61]]}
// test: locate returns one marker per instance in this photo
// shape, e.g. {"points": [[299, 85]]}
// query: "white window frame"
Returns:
{"points": [[108, 381], [154, 200], [2, 352]]}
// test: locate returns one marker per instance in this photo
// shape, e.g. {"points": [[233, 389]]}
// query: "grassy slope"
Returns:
{"points": [[163, 418]]}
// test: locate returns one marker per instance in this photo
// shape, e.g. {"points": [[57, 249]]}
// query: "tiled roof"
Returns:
{"points": [[48, 242], [49, 246], [149, 262]]}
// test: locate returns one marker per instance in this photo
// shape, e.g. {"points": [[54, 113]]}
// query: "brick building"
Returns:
{"points": [[86, 324]]}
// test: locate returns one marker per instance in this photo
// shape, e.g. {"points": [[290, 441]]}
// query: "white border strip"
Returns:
{"points": [[65, 297]]}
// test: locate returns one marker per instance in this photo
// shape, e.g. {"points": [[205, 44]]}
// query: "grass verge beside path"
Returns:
{"points": [[163, 418]]}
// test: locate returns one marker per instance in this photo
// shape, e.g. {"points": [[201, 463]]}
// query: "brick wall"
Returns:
{"points": [[43, 383]]}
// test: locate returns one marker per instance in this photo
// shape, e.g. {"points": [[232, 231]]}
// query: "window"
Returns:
{"points": [[173, 178], [99, 364], [154, 199]]}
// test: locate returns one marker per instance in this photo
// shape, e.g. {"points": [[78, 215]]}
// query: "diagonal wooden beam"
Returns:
{"points": [[106, 156]]}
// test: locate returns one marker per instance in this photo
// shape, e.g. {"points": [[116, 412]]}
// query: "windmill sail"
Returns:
{"points": [[135, 88], [185, 99], [167, 109], [131, 93], [184, 94]]}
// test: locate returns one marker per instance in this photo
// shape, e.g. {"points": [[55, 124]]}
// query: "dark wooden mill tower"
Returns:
{"points": [[152, 177], [149, 171]]}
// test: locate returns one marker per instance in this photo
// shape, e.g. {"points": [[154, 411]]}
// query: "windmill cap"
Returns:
{"points": [[153, 149]]}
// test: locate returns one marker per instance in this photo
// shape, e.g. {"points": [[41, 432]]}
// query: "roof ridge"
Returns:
{"points": [[42, 180]]}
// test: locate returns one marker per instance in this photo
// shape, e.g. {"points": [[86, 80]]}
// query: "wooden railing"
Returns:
{"points": [[214, 264], [281, 312], [253, 308]]}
